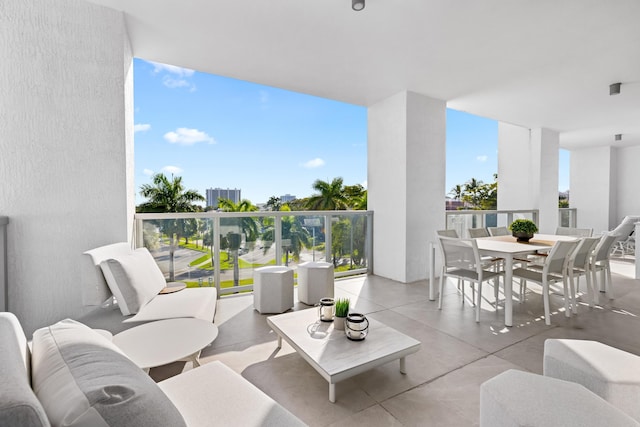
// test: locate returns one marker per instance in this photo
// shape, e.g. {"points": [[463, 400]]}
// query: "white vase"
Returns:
{"points": [[338, 323]]}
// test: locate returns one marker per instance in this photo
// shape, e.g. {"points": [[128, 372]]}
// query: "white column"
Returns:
{"points": [[545, 145], [592, 190], [406, 182], [66, 151], [528, 172]]}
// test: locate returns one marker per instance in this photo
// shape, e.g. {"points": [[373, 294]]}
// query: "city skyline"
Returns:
{"points": [[218, 132]]}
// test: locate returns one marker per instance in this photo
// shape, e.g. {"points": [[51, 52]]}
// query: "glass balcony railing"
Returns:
{"points": [[222, 249], [462, 220]]}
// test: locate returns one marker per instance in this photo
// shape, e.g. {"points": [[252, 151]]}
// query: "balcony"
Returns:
{"points": [[441, 387], [442, 383]]}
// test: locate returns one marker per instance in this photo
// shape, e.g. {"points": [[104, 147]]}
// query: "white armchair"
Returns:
{"points": [[135, 280]]}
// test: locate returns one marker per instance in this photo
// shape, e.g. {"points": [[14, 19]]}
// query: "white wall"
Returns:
{"points": [[406, 181], [65, 150], [591, 184]]}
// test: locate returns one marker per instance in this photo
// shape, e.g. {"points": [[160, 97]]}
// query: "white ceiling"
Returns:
{"points": [[535, 63]]}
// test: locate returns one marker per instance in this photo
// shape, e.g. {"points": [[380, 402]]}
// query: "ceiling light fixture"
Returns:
{"points": [[614, 88], [618, 137], [357, 5]]}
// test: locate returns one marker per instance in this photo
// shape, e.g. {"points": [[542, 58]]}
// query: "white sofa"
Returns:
{"points": [[585, 383], [135, 280], [75, 376]]}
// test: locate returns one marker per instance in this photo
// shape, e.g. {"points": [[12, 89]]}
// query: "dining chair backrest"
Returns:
{"points": [[460, 253], [499, 231], [559, 256], [474, 233], [571, 231], [582, 254], [603, 249], [447, 233]]}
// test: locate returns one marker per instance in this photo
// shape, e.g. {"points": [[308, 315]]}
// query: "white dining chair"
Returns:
{"points": [[475, 233], [572, 231], [579, 265], [600, 263], [553, 270], [461, 260], [498, 231]]}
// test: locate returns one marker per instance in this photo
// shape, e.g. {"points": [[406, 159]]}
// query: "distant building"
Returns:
{"points": [[287, 198], [213, 194]]}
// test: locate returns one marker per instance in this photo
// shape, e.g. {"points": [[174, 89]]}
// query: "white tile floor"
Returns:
{"points": [[441, 387]]}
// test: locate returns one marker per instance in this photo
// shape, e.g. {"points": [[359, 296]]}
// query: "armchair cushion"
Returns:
{"points": [[134, 279], [82, 378], [18, 403]]}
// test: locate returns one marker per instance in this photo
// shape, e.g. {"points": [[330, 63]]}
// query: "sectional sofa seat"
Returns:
{"points": [[75, 376]]}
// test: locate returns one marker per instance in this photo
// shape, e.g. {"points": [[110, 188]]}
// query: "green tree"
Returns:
{"points": [[292, 230], [457, 192], [356, 196], [248, 225], [169, 195], [274, 203], [329, 196]]}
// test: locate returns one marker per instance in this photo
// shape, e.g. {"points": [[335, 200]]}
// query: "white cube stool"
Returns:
{"points": [[610, 373], [518, 398], [315, 281], [272, 289]]}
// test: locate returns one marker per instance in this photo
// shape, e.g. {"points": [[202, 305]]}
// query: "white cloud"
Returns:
{"points": [[314, 163], [174, 170], [183, 72], [482, 158], [147, 172], [185, 136], [174, 77], [172, 83], [141, 127]]}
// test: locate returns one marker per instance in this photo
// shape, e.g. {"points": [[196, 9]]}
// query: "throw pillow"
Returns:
{"points": [[82, 379], [134, 279]]}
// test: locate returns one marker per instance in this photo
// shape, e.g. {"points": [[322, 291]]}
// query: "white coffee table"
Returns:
{"points": [[334, 356], [166, 341]]}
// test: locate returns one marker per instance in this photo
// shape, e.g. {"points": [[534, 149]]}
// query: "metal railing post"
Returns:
{"points": [[327, 238], [277, 236], [216, 246]]}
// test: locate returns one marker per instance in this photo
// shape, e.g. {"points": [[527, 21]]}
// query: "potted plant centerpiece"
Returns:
{"points": [[523, 229], [342, 310]]}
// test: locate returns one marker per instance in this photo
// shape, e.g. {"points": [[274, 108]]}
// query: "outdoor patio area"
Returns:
{"points": [[441, 387]]}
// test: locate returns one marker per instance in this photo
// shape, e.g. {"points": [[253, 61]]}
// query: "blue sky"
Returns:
{"points": [[220, 132]]}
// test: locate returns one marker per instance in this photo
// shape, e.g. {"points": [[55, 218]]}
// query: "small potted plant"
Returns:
{"points": [[523, 229], [342, 310]]}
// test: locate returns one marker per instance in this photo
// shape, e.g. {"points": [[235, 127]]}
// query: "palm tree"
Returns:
{"points": [[457, 192], [331, 196], [248, 225], [169, 195]]}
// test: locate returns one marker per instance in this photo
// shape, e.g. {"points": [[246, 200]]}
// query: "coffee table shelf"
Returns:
{"points": [[331, 354]]}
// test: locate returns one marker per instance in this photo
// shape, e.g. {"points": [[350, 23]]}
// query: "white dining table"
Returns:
{"points": [[507, 248]]}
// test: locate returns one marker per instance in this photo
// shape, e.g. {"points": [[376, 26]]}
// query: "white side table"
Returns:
{"points": [[166, 341], [273, 289], [315, 281]]}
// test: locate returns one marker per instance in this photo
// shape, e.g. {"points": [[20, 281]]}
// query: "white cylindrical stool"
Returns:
{"points": [[315, 281], [272, 289]]}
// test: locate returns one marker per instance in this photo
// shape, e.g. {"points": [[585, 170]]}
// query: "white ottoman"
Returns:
{"points": [[315, 281], [272, 289], [611, 373], [517, 398]]}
